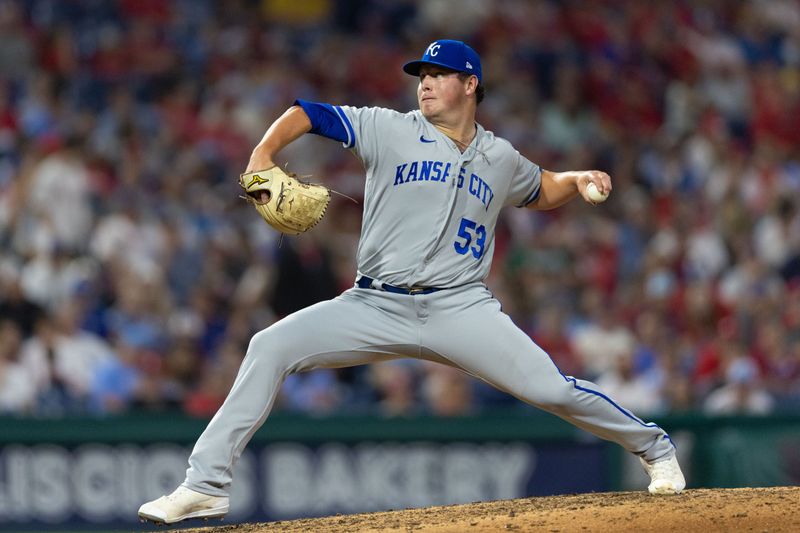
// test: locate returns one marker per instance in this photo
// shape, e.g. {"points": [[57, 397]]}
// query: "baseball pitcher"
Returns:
{"points": [[435, 183]]}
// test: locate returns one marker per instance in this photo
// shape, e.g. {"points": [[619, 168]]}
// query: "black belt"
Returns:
{"points": [[365, 282]]}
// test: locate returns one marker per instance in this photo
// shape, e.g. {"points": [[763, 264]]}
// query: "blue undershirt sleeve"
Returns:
{"points": [[329, 121]]}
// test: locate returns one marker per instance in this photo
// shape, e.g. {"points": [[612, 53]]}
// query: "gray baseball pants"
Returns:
{"points": [[462, 327]]}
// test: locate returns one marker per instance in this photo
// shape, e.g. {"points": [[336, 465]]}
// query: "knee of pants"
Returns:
{"points": [[555, 396], [269, 348]]}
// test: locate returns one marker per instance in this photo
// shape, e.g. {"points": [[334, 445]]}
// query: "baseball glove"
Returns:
{"points": [[287, 204]]}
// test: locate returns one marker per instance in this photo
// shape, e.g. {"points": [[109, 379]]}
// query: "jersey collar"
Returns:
{"points": [[469, 152]]}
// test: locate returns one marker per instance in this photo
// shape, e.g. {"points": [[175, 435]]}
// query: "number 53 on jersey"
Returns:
{"points": [[467, 232]]}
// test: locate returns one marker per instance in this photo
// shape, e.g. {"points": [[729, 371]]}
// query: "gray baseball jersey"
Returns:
{"points": [[429, 221], [429, 209]]}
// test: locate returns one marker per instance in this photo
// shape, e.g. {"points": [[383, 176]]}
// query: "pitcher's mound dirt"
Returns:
{"points": [[775, 509]]}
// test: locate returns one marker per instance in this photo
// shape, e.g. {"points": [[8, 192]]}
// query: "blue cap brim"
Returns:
{"points": [[412, 67]]}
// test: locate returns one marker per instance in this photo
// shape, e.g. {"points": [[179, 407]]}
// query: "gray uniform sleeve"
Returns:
{"points": [[368, 125], [525, 182]]}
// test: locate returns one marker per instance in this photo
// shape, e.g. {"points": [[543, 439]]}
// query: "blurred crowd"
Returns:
{"points": [[132, 275]]}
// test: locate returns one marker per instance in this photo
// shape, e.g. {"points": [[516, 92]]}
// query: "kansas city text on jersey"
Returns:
{"points": [[439, 171]]}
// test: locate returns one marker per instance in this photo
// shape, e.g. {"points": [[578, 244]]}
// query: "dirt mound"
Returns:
{"points": [[775, 509]]}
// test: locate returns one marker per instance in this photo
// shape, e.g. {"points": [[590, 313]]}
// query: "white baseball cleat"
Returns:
{"points": [[665, 476], [182, 504]]}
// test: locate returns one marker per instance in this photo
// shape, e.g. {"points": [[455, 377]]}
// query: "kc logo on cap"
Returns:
{"points": [[455, 55]]}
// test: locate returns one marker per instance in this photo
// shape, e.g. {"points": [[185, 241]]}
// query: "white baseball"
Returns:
{"points": [[594, 193]]}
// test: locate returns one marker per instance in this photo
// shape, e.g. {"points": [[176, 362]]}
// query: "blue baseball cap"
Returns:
{"points": [[448, 53]]}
